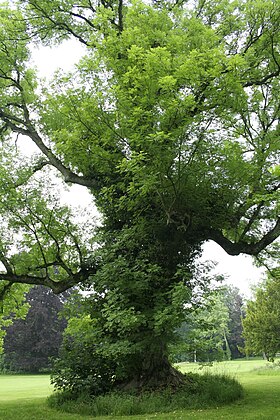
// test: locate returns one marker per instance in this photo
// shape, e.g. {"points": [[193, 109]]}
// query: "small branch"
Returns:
{"points": [[61, 26], [5, 262], [120, 16], [264, 264], [251, 221], [39, 245], [79, 16], [7, 117], [58, 252], [263, 80], [77, 246], [37, 167], [4, 291]]}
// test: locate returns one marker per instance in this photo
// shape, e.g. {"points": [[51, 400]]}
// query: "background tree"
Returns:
{"points": [[262, 322], [236, 310], [213, 330], [203, 336], [171, 121], [12, 306], [30, 343]]}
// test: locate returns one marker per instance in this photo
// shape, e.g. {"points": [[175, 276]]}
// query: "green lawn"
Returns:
{"points": [[23, 397], [24, 387]]}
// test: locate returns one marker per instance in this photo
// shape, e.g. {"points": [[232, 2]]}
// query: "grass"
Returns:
{"points": [[24, 398], [24, 387], [200, 391]]}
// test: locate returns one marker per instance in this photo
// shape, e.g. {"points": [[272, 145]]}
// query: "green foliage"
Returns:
{"points": [[200, 391], [82, 366], [262, 322], [203, 335], [213, 328], [171, 120], [236, 308]]}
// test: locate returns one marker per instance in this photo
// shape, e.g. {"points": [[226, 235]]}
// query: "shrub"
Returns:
{"points": [[81, 369], [199, 391]]}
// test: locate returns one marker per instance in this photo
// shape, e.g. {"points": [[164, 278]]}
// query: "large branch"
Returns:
{"points": [[68, 175], [29, 131], [56, 286], [242, 247]]}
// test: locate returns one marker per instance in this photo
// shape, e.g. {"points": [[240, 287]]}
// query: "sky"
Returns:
{"points": [[239, 271]]}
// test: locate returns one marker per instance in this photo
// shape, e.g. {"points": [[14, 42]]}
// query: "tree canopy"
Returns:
{"points": [[171, 121]]}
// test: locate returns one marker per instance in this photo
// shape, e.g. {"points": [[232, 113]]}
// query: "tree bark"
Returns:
{"points": [[154, 372], [254, 248]]}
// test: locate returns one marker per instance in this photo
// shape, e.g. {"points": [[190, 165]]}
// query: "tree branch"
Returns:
{"points": [[56, 286], [263, 80], [120, 15], [58, 251], [61, 26], [242, 247], [5, 262], [6, 288], [37, 167], [252, 219], [29, 131]]}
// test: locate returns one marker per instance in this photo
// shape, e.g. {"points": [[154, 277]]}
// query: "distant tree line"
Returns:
{"points": [[222, 327], [214, 331]]}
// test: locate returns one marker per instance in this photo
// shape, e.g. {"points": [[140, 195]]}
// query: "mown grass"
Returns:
{"points": [[23, 397], [24, 387], [261, 398]]}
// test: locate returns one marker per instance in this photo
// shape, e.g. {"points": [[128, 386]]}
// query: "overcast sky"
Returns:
{"points": [[239, 270]]}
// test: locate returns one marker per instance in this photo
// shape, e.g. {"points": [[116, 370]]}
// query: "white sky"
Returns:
{"points": [[239, 270]]}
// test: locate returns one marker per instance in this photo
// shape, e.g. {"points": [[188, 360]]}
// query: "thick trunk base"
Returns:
{"points": [[159, 378]]}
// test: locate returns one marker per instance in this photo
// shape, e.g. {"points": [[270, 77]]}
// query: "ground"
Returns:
{"points": [[21, 397]]}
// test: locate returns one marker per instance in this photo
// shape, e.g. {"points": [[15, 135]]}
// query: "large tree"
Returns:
{"points": [[171, 122]]}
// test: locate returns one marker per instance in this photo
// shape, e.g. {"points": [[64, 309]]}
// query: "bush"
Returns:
{"points": [[88, 362], [81, 369], [200, 391]]}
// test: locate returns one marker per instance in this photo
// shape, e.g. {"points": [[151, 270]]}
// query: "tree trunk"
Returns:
{"points": [[194, 356], [155, 371]]}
